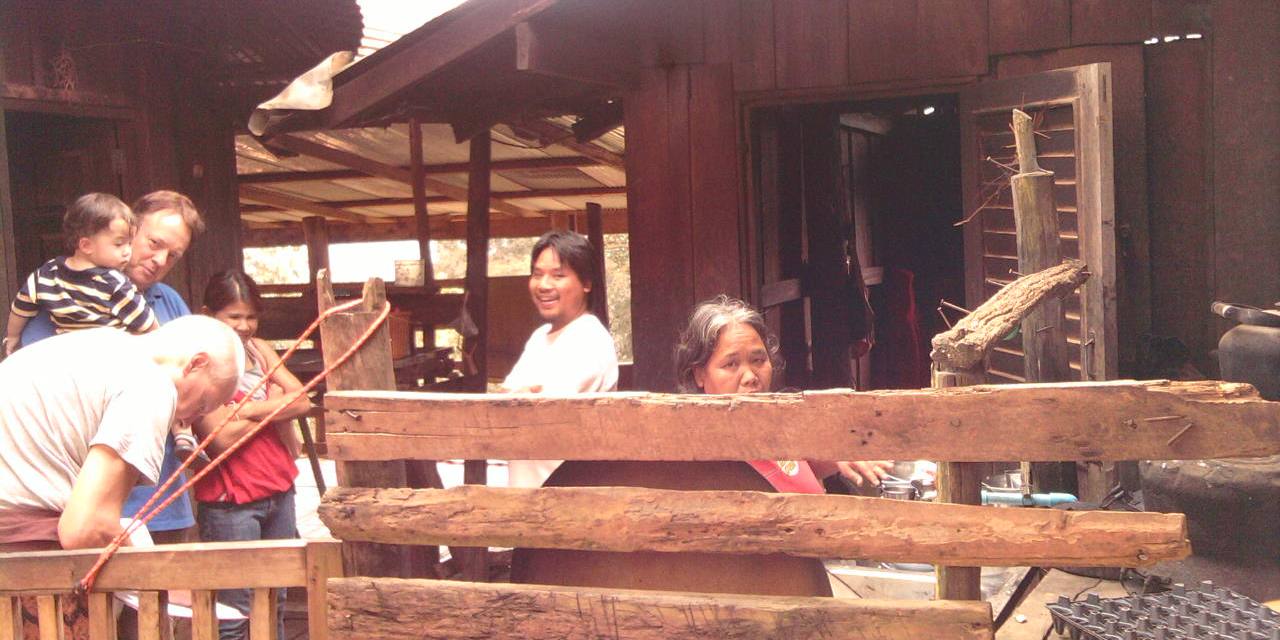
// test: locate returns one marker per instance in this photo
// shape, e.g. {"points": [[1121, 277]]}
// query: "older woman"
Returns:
{"points": [[724, 350], [727, 349]]}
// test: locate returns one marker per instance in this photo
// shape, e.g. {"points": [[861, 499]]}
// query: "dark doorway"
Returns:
{"points": [[888, 196], [53, 159]]}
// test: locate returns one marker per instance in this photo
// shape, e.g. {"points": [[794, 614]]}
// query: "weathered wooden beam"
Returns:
{"points": [[273, 234], [555, 134], [315, 231], [364, 609], [550, 49], [497, 195], [958, 483], [595, 233], [272, 177], [291, 202], [967, 343], [818, 526], [422, 220], [206, 565], [1120, 420], [383, 170]]}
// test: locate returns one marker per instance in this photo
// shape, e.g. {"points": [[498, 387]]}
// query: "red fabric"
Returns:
{"points": [[260, 468], [800, 480], [901, 360]]}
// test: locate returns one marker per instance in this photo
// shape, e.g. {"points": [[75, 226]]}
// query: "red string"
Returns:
{"points": [[86, 583]]}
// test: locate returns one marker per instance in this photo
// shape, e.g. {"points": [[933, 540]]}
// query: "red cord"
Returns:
{"points": [[86, 584]]}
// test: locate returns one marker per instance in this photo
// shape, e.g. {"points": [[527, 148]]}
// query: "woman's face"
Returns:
{"points": [[557, 291], [241, 317], [739, 364]]}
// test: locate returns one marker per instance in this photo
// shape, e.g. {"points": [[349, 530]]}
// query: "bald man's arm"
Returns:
{"points": [[92, 515]]}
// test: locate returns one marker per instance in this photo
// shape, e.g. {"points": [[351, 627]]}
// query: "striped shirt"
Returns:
{"points": [[82, 299]]}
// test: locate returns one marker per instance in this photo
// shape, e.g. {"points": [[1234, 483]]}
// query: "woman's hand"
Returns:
{"points": [[860, 471]]}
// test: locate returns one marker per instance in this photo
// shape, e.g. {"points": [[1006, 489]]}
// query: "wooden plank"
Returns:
{"points": [[1110, 21], [1122, 420], [967, 343], [315, 232], [445, 168], [204, 621], [1028, 25], [10, 618], [102, 616], [811, 43], [415, 59], [881, 39], [958, 483], [658, 253], [290, 202], [522, 194], [1246, 176], [741, 32], [714, 187], [8, 255], [559, 136], [49, 613], [818, 526], [212, 565], [951, 39], [153, 616], [568, 48], [915, 39], [378, 169], [442, 228], [1096, 208], [420, 217], [369, 368], [363, 609], [262, 615], [1181, 145], [595, 234], [324, 561]]}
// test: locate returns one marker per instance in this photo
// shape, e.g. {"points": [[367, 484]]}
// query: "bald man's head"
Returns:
{"points": [[205, 358]]}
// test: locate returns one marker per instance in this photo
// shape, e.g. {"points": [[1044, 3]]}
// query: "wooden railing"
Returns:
{"points": [[1082, 421], [201, 568]]}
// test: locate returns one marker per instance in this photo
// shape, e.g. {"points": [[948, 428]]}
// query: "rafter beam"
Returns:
{"points": [[557, 135], [286, 201], [500, 195], [446, 168], [274, 234], [377, 169]]}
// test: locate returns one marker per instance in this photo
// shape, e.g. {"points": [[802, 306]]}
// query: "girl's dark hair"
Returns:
{"points": [[231, 286], [90, 214], [575, 252]]}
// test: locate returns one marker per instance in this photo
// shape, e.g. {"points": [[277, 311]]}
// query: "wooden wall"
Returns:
{"points": [[1192, 222], [170, 132]]}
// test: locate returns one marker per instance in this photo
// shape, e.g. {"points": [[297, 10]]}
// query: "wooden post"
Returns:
{"points": [[959, 483], [595, 233], [1047, 357], [475, 562], [8, 266], [369, 368], [324, 561], [315, 230], [417, 168]]}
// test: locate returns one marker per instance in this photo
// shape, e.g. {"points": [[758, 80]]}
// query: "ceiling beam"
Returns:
{"points": [[554, 134], [377, 169], [285, 201], [446, 168], [498, 195], [270, 234]]}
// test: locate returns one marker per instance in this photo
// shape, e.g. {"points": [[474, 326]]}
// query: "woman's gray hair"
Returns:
{"points": [[706, 323]]}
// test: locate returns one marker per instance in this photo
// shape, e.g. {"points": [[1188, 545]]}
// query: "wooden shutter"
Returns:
{"points": [[1072, 108]]}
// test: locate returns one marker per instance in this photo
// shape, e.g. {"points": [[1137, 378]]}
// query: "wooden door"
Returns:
{"points": [[1072, 111]]}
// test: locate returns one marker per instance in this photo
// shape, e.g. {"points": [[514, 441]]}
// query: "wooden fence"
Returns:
{"points": [[1082, 421], [202, 568]]}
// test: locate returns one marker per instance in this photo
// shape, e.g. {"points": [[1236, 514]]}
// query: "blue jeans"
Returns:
{"points": [[271, 518]]}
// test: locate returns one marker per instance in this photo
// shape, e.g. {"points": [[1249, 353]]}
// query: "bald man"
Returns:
{"points": [[84, 417]]}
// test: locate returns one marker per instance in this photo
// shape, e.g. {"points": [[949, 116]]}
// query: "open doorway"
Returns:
{"points": [[857, 202]]}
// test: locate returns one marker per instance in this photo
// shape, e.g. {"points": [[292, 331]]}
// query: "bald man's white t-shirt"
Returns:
{"points": [[60, 396], [581, 359]]}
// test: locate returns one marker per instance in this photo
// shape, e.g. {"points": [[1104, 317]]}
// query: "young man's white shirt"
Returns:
{"points": [[580, 359]]}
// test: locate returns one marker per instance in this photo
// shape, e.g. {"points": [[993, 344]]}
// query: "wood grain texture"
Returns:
{"points": [[1028, 25], [10, 618], [49, 612], [363, 609], [811, 43], [209, 565], [262, 615], [153, 616], [967, 343], [1073, 421], [916, 39], [204, 619], [958, 483], [819, 526], [1110, 21], [324, 561], [102, 617]]}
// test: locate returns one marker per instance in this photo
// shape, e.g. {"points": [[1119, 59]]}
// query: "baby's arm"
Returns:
{"points": [[13, 334], [24, 308]]}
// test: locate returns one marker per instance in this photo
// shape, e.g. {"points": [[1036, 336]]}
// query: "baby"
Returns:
{"points": [[86, 288]]}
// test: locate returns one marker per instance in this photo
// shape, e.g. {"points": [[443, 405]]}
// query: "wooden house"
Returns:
{"points": [[766, 137]]}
